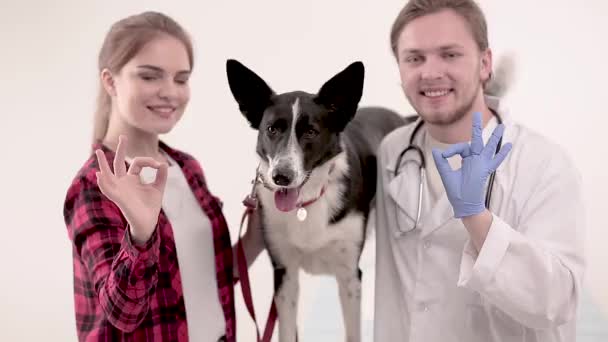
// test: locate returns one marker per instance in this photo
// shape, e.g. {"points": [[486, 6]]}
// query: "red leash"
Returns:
{"points": [[250, 203]]}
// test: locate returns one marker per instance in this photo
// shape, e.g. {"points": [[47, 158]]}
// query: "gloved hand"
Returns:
{"points": [[466, 186]]}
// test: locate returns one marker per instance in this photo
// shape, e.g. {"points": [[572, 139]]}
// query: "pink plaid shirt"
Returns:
{"points": [[128, 293]]}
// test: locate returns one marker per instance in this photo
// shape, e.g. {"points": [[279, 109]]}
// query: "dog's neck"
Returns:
{"points": [[303, 204], [311, 201]]}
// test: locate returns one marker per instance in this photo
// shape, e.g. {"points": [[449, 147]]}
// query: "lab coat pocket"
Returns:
{"points": [[491, 324], [507, 327], [403, 191]]}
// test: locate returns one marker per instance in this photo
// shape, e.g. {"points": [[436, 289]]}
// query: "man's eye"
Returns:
{"points": [[451, 55], [272, 131], [413, 59]]}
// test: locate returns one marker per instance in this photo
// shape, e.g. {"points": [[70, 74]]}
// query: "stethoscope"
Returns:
{"points": [[422, 166]]}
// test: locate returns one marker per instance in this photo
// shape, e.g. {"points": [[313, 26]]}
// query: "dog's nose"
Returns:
{"points": [[282, 177]]}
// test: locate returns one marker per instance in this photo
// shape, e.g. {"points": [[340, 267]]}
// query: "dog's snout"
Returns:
{"points": [[282, 177]]}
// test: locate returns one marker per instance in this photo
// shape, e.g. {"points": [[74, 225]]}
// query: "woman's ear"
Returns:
{"points": [[107, 80]]}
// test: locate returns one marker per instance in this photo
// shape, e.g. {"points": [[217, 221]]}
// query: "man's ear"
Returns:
{"points": [[107, 81], [249, 90], [486, 65], [341, 95]]}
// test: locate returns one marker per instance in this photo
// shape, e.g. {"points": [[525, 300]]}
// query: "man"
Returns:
{"points": [[459, 270]]}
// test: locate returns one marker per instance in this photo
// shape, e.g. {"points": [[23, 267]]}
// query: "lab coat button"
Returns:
{"points": [[427, 245]]}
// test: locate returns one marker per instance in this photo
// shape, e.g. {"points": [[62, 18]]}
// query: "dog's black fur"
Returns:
{"points": [[307, 144]]}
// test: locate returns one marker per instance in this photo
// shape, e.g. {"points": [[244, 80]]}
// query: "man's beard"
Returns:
{"points": [[460, 112]]}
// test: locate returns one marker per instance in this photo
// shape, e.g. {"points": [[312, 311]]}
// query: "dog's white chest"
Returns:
{"points": [[341, 250], [307, 231], [303, 237], [311, 243]]}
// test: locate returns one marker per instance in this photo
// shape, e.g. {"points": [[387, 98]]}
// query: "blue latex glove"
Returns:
{"points": [[466, 186]]}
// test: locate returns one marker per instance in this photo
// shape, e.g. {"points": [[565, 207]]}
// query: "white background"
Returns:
{"points": [[48, 85]]}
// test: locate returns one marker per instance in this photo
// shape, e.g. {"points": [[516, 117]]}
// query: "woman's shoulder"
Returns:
{"points": [[175, 152], [83, 191], [84, 183], [88, 170], [190, 166], [185, 160]]}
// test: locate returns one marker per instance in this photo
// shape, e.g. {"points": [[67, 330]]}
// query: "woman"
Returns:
{"points": [[130, 227]]}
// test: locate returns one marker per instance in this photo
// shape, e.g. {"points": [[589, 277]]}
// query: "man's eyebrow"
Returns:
{"points": [[412, 51], [441, 48], [450, 47]]}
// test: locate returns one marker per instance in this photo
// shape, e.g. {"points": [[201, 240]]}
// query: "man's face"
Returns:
{"points": [[441, 67]]}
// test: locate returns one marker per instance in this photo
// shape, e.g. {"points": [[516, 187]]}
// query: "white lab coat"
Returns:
{"points": [[524, 285]]}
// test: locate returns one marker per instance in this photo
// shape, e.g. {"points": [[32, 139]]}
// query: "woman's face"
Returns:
{"points": [[151, 91]]}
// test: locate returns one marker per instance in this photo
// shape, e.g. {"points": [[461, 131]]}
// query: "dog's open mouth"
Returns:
{"points": [[286, 199]]}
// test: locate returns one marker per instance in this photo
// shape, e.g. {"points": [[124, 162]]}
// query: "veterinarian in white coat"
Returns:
{"points": [[512, 272]]}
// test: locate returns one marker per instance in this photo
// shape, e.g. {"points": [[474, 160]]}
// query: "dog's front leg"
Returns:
{"points": [[349, 286], [286, 298]]}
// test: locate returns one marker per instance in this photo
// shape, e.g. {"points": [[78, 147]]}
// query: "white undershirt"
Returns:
{"points": [[433, 179], [195, 253]]}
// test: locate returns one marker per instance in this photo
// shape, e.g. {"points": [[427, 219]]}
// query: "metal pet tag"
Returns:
{"points": [[301, 213]]}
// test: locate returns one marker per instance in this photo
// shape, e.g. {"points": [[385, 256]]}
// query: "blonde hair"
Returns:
{"points": [[123, 41]]}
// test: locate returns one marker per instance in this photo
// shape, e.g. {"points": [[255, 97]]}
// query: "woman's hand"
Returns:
{"points": [[140, 203]]}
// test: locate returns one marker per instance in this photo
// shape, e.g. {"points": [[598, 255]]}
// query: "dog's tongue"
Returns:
{"points": [[285, 199]]}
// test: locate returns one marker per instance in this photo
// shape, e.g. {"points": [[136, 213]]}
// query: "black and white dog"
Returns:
{"points": [[318, 179]]}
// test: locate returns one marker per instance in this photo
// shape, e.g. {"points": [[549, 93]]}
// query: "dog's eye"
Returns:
{"points": [[272, 131]]}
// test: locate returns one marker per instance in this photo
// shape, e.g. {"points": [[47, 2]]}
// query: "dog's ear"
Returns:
{"points": [[341, 95], [250, 91]]}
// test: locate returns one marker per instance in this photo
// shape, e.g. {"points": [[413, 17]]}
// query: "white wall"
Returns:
{"points": [[47, 92]]}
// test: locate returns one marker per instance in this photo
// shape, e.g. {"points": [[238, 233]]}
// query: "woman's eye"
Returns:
{"points": [[148, 77], [272, 130], [181, 81]]}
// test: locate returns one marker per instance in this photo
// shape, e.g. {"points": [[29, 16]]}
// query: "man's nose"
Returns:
{"points": [[432, 69]]}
